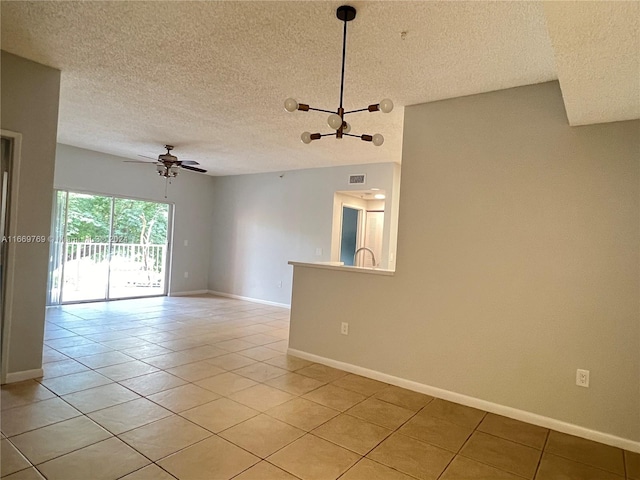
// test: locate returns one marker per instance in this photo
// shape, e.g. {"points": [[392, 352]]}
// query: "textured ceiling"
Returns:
{"points": [[597, 51], [211, 77]]}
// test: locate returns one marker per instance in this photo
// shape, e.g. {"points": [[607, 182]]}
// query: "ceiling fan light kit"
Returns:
{"points": [[336, 121], [167, 171]]}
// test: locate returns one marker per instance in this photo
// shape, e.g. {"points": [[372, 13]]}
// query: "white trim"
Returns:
{"points": [[344, 268], [186, 294], [496, 408], [168, 261], [24, 375], [249, 299], [7, 314]]}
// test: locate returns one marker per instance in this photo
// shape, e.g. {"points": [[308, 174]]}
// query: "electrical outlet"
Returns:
{"points": [[186, 243], [318, 252], [280, 284], [186, 274], [582, 378], [344, 328]]}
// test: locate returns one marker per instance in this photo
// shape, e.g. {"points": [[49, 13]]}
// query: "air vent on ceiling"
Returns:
{"points": [[358, 179]]}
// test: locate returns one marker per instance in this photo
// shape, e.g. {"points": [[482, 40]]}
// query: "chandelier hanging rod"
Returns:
{"points": [[345, 13]]}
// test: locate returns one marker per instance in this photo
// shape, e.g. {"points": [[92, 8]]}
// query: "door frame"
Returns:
{"points": [[8, 282]]}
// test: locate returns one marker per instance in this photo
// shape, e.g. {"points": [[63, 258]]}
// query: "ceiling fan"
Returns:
{"points": [[168, 165]]}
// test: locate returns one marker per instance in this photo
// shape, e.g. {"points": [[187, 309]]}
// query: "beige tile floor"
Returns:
{"points": [[201, 388]]}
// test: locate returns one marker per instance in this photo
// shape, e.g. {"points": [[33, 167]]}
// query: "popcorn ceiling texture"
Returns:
{"points": [[211, 77], [597, 50]]}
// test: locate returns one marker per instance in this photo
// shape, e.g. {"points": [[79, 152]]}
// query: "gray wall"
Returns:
{"points": [[191, 193], [518, 262], [263, 221], [30, 93]]}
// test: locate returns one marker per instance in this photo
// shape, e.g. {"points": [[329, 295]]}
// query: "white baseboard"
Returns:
{"points": [[249, 299], [14, 377], [496, 408], [186, 294]]}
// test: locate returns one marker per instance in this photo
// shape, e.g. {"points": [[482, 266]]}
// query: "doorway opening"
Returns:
{"points": [[10, 152], [358, 228], [107, 248], [349, 234], [5, 185]]}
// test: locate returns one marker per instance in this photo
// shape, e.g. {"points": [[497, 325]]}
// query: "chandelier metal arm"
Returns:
{"points": [[356, 111], [371, 108], [365, 137], [320, 110]]}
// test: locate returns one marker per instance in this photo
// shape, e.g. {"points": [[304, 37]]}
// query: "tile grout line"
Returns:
{"points": [[234, 328], [306, 432], [397, 430], [310, 431], [544, 447], [82, 414]]}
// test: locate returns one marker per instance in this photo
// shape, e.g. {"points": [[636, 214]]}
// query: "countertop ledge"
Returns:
{"points": [[344, 268]]}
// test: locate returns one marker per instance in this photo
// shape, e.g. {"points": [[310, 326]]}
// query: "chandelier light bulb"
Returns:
{"points": [[290, 105], [346, 128], [334, 121], [305, 137], [386, 105], [378, 139]]}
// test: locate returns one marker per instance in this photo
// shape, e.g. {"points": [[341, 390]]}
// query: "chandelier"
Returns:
{"points": [[336, 120]]}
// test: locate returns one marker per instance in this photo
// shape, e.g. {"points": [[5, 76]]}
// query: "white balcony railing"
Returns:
{"points": [[125, 264]]}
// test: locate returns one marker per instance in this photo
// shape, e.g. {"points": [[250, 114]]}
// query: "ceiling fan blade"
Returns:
{"points": [[195, 169], [135, 161], [189, 162], [152, 158]]}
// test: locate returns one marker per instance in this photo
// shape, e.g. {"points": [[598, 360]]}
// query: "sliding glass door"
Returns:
{"points": [[138, 248], [107, 248], [86, 256]]}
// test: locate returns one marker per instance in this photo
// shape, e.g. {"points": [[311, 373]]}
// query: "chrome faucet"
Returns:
{"points": [[373, 256]]}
